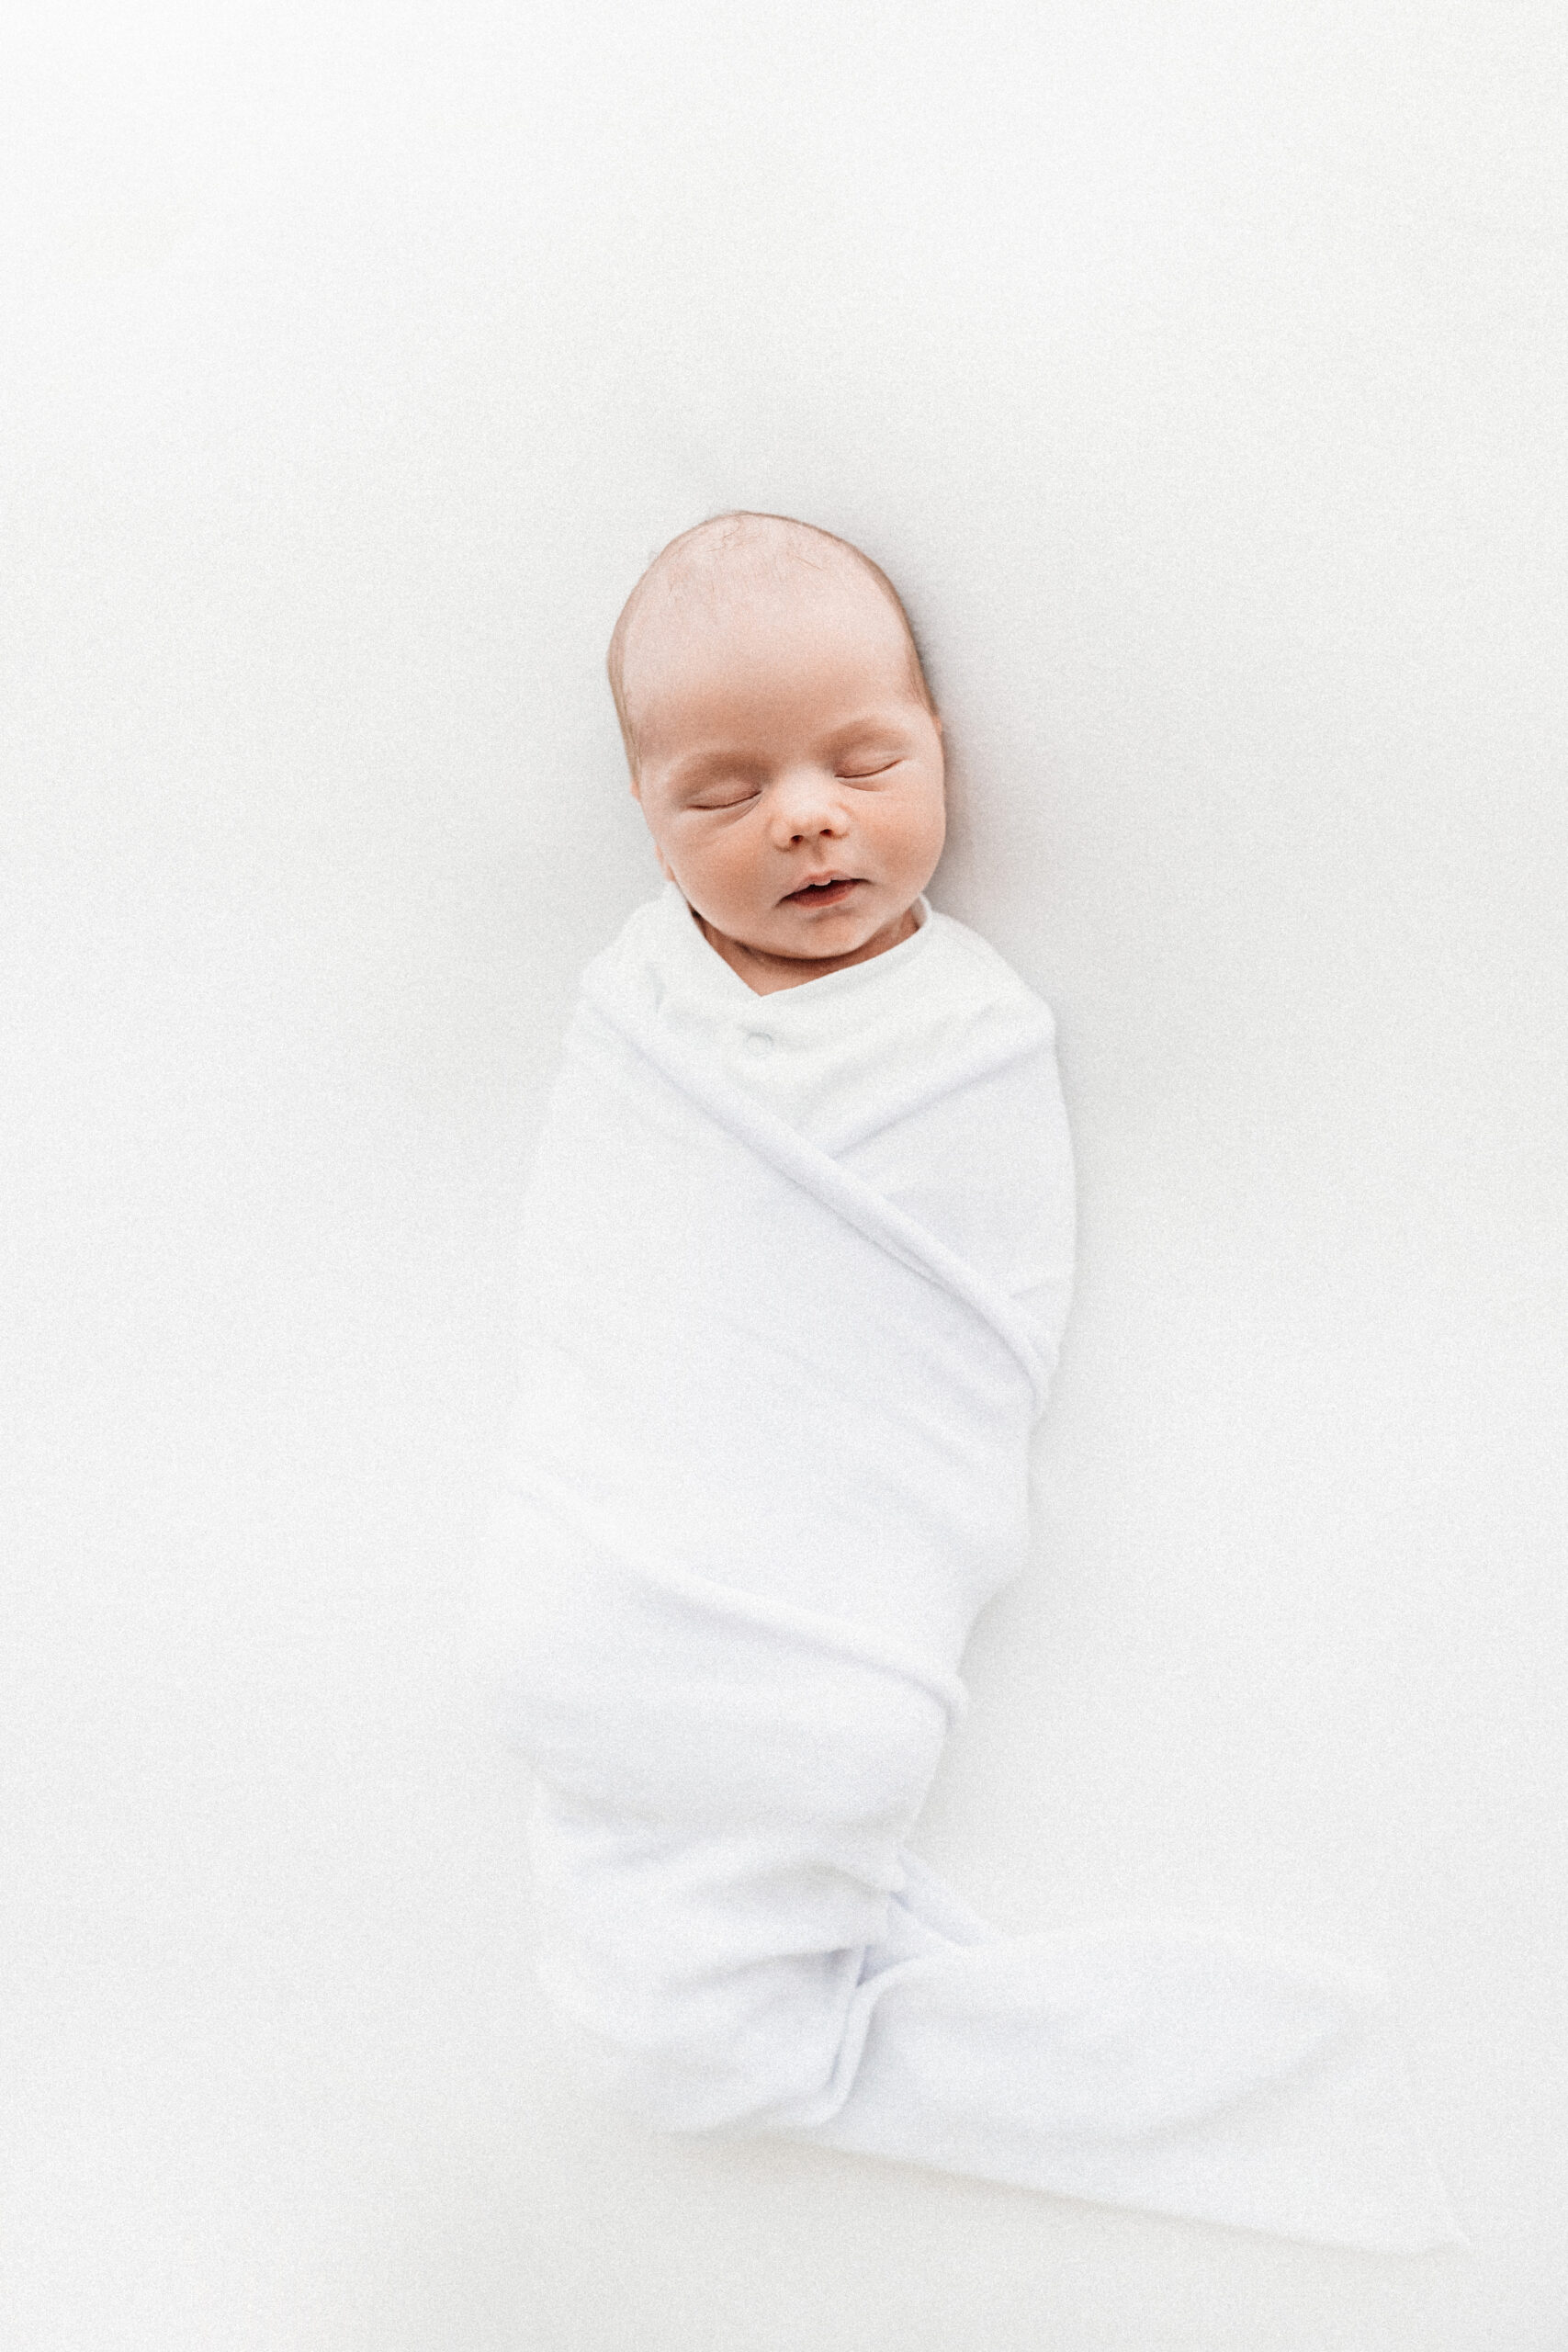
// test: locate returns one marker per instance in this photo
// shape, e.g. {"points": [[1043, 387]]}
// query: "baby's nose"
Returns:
{"points": [[807, 801]]}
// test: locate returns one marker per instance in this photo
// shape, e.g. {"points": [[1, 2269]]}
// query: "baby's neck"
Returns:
{"points": [[765, 973]]}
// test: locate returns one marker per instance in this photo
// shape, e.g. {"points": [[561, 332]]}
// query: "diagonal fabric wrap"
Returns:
{"points": [[796, 1271]]}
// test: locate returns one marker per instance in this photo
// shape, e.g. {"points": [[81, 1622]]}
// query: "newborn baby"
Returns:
{"points": [[798, 1254]]}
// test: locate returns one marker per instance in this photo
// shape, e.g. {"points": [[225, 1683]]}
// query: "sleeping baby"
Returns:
{"points": [[799, 1253]]}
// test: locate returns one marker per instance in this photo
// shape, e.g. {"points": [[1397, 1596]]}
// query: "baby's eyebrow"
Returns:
{"points": [[873, 722], [701, 767]]}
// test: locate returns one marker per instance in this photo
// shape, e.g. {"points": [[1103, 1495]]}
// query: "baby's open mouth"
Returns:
{"points": [[824, 894]]}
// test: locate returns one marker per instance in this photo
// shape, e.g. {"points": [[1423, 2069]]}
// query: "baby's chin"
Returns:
{"points": [[795, 934]]}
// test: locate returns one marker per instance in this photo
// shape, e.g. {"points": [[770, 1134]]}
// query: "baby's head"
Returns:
{"points": [[780, 730]]}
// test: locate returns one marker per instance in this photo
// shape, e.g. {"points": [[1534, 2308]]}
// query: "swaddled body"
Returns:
{"points": [[769, 1465], [799, 1249]]}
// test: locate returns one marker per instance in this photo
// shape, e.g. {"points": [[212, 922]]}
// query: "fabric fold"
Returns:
{"points": [[796, 1270]]}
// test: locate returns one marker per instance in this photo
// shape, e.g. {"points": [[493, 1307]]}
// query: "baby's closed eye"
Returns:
{"points": [[859, 774]]}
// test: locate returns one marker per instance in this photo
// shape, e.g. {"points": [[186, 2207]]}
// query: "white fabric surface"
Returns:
{"points": [[798, 1268]]}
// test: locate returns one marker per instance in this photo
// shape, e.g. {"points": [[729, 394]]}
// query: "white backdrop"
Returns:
{"points": [[1198, 372]]}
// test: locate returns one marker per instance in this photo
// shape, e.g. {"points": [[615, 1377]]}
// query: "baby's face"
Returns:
{"points": [[790, 773]]}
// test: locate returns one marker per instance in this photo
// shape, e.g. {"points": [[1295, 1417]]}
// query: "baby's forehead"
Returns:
{"points": [[750, 667]]}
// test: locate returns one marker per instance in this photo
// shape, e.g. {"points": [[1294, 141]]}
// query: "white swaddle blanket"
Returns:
{"points": [[797, 1267]]}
